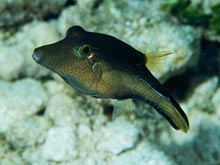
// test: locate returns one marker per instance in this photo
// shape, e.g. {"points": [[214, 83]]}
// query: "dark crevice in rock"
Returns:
{"points": [[41, 112], [52, 15], [70, 2], [96, 4], [14, 16], [181, 86], [108, 110], [20, 77], [46, 78], [43, 79]]}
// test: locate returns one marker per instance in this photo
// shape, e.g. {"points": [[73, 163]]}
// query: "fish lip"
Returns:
{"points": [[38, 58], [35, 57], [44, 61]]}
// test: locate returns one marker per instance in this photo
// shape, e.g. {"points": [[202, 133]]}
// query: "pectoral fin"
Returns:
{"points": [[97, 69]]}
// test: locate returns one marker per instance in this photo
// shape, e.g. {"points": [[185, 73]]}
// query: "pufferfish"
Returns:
{"points": [[103, 66]]}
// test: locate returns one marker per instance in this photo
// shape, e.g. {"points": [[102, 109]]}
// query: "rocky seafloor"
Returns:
{"points": [[45, 121]]}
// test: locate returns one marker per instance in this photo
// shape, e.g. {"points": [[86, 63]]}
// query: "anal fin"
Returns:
{"points": [[121, 107]]}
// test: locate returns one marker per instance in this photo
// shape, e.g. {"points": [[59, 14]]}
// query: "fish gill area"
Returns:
{"points": [[45, 121]]}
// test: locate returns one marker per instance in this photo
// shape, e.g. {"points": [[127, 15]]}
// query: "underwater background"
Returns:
{"points": [[45, 121]]}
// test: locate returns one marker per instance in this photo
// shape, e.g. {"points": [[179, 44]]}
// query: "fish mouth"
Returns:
{"points": [[37, 56], [40, 58]]}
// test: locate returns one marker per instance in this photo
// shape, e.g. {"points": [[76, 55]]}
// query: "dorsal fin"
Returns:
{"points": [[154, 60]]}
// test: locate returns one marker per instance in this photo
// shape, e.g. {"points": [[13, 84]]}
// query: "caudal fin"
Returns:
{"points": [[165, 104], [173, 113]]}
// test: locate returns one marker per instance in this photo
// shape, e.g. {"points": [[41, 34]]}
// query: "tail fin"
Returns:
{"points": [[175, 115], [165, 105], [152, 92]]}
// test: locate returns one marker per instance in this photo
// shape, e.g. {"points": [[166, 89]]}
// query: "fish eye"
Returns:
{"points": [[85, 50]]}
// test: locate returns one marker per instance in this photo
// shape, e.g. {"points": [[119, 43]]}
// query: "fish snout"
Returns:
{"points": [[38, 55], [48, 56]]}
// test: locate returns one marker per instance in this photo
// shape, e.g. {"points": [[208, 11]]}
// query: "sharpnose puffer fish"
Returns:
{"points": [[105, 67]]}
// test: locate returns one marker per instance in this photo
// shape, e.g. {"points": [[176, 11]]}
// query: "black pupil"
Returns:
{"points": [[86, 49]]}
